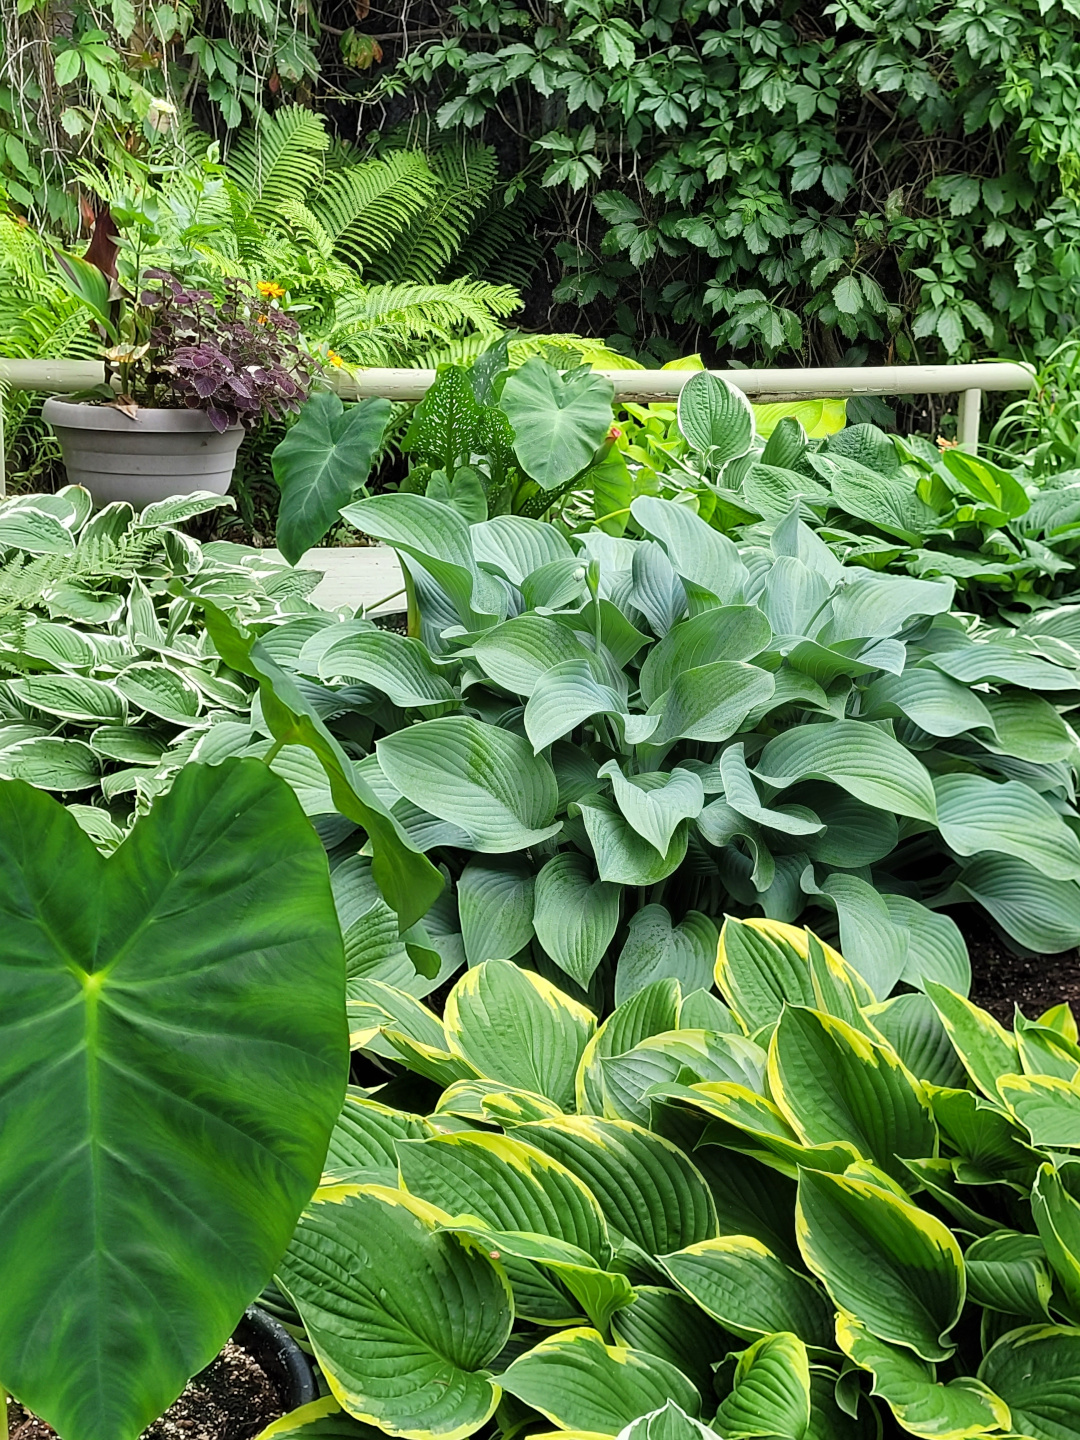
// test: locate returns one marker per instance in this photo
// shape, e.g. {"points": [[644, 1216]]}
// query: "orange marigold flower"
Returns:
{"points": [[271, 289], [334, 358]]}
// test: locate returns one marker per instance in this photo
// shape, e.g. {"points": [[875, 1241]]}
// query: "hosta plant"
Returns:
{"points": [[882, 502], [107, 681], [786, 1210], [174, 1056], [606, 743]]}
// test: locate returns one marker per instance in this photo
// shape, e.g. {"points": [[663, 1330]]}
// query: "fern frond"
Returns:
{"points": [[467, 174], [365, 207], [279, 158], [306, 225], [502, 244], [386, 324]]}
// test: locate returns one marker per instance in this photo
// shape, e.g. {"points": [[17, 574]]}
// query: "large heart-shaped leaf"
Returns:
{"points": [[559, 421], [174, 1060], [321, 463]]}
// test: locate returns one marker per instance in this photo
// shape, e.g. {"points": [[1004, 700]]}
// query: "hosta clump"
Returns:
{"points": [[794, 1212], [606, 743], [108, 681], [883, 502]]}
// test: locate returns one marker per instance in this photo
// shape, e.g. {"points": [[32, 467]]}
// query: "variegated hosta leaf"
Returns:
{"points": [[771, 1391], [668, 1323], [363, 1146], [405, 1331], [1036, 1371]]}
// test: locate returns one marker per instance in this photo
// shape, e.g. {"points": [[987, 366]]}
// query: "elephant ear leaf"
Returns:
{"points": [[174, 1060], [406, 1331]]}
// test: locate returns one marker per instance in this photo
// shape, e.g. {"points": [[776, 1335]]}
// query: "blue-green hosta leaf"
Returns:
{"points": [[854, 834], [859, 758], [1008, 1271], [718, 825], [871, 941], [477, 776], [959, 1410], [771, 1391], [559, 420], [977, 814], [934, 701], [773, 490], [495, 901], [729, 632], [411, 1358], [667, 1323], [715, 418], [698, 553], [1029, 727], [1036, 1371], [895, 1267], [517, 547], [512, 1026], [834, 1083], [653, 809], [581, 1384], [871, 606], [741, 794], [568, 694], [72, 697], [710, 702], [936, 949], [655, 949], [395, 664], [362, 1147], [1042, 913], [622, 855], [975, 661], [750, 1291], [321, 463], [575, 915], [793, 597], [518, 652], [648, 1189], [656, 589], [437, 537]]}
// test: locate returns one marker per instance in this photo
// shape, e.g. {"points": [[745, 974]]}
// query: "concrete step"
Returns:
{"points": [[356, 575]]}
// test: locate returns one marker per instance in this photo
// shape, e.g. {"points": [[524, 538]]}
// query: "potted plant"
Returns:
{"points": [[188, 372]]}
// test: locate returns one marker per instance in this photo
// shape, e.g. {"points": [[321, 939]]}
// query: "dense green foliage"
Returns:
{"points": [[754, 1211], [175, 1055]]}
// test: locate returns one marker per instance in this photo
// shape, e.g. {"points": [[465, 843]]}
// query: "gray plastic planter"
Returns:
{"points": [[157, 454]]}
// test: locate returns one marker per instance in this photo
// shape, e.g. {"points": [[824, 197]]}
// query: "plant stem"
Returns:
{"points": [[268, 759], [384, 601]]}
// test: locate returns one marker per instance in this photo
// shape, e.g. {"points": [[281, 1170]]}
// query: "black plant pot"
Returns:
{"points": [[288, 1368]]}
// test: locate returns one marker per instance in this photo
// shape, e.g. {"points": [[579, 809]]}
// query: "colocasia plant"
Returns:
{"points": [[789, 1210]]}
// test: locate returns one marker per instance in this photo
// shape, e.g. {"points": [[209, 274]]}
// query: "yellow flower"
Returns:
{"points": [[271, 289], [334, 358]]}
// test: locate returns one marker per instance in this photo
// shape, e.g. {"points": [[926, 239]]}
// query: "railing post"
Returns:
{"points": [[967, 420]]}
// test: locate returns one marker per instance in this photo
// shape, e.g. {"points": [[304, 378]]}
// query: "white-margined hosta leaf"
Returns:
{"points": [[72, 697], [159, 691], [715, 418]]}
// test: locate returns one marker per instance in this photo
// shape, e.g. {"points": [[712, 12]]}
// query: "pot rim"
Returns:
{"points": [[88, 415]]}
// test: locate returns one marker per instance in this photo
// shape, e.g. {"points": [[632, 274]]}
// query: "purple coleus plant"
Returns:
{"points": [[237, 359]]}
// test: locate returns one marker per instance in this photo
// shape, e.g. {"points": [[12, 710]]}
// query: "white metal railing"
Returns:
{"points": [[641, 386]]}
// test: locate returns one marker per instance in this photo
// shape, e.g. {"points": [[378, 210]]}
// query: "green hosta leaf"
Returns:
{"points": [[960, 1410], [72, 697], [653, 809], [517, 653], [479, 777], [834, 1083], [991, 1145], [710, 702], [655, 949], [715, 418], [622, 855], [516, 1028], [568, 694], [935, 702], [987, 1050], [580, 1383], [666, 1323], [559, 420], [319, 1420], [1008, 1272], [1036, 1371], [894, 1267], [859, 758], [518, 547], [410, 1357], [1057, 1219], [889, 502], [321, 463], [1046, 1051], [398, 666], [649, 1191], [362, 1147], [747, 1289], [730, 632], [976, 814], [495, 901], [771, 1392], [174, 1062], [698, 553], [1047, 1108], [575, 915], [1042, 913]]}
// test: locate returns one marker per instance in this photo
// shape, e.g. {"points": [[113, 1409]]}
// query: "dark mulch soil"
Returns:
{"points": [[232, 1399], [1000, 979]]}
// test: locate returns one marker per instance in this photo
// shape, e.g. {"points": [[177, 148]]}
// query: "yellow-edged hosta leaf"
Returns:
{"points": [[760, 968], [649, 1011], [404, 1332], [487, 1100], [896, 1268], [771, 1391], [987, 1050], [1057, 1218], [580, 1383], [959, 1410], [1047, 1108], [750, 1291], [669, 1324], [833, 1082], [1008, 1271], [1036, 1371], [362, 1145]]}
